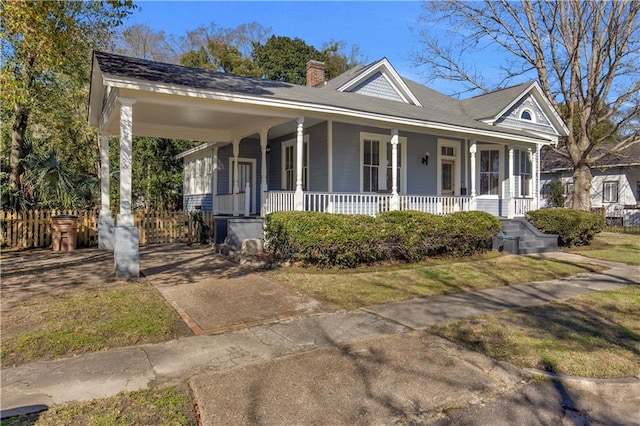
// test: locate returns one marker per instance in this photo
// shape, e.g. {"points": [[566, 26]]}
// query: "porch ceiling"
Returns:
{"points": [[177, 117]]}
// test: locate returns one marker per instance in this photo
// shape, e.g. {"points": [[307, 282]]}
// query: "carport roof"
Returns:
{"points": [[437, 110]]}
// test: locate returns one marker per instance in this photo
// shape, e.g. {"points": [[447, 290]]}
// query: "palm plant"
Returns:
{"points": [[52, 184]]}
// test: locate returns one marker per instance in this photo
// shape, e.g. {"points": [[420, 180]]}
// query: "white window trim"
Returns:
{"points": [[604, 192], [531, 113], [195, 183], [293, 142], [382, 169], [501, 177], [456, 145]]}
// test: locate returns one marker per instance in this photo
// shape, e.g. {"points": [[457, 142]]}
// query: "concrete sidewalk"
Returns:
{"points": [[357, 367]]}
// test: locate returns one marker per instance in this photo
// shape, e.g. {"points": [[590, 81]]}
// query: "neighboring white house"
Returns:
{"points": [[615, 186]]}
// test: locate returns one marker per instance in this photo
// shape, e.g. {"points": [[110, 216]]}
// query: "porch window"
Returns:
{"points": [[489, 172], [525, 174], [370, 165], [289, 156], [610, 192], [376, 162]]}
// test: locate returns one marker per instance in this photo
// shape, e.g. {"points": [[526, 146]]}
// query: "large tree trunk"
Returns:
{"points": [[19, 130], [582, 187]]}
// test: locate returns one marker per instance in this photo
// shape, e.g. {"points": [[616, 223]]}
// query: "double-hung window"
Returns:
{"points": [[370, 165], [289, 159], [610, 192], [377, 162], [489, 172]]}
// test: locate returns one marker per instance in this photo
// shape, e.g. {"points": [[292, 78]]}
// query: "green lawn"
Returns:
{"points": [[160, 406], [352, 289], [48, 327], [616, 247], [595, 335]]}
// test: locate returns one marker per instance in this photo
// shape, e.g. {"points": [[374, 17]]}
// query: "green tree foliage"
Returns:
{"points": [[46, 49], [251, 50], [285, 59], [157, 174]]}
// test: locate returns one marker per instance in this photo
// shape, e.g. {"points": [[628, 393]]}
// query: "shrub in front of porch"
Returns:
{"points": [[324, 239], [573, 227]]}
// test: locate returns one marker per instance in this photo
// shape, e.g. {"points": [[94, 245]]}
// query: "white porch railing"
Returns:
{"points": [[278, 201], [368, 204], [435, 204], [521, 206]]}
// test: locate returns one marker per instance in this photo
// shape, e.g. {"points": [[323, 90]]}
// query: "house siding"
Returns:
{"points": [[493, 206], [346, 156], [421, 179], [377, 85], [205, 201]]}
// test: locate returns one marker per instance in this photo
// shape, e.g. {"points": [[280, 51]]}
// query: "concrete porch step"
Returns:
{"points": [[518, 236]]}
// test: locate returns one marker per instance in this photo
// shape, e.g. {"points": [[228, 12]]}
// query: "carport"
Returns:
{"points": [[143, 98]]}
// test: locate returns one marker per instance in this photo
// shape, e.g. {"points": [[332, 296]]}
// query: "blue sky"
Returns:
{"points": [[378, 28]]}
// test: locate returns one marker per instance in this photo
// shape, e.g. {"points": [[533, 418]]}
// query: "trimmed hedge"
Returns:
{"points": [[327, 240], [574, 227]]}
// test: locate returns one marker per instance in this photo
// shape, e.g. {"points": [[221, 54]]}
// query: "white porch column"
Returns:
{"points": [[214, 177], [395, 199], [512, 188], [535, 164], [532, 159], [236, 185], [330, 155], [264, 140], [126, 246], [105, 221], [298, 198], [472, 166]]}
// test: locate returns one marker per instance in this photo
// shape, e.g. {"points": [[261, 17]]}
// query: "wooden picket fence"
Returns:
{"points": [[32, 228]]}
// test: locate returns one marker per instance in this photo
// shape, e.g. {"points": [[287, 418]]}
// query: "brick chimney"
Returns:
{"points": [[315, 73]]}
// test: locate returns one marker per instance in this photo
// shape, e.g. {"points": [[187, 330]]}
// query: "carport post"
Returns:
{"points": [[126, 247]]}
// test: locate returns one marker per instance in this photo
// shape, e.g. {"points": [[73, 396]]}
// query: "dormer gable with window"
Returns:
{"points": [[527, 114], [380, 80], [521, 107]]}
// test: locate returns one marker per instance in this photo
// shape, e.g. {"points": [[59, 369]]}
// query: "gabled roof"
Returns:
{"points": [[351, 81], [430, 110], [490, 107]]}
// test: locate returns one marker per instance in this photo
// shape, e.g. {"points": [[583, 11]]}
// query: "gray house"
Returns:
{"points": [[365, 142], [369, 141]]}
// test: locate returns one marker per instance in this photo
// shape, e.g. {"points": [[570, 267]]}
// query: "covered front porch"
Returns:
{"points": [[310, 164], [259, 176]]}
